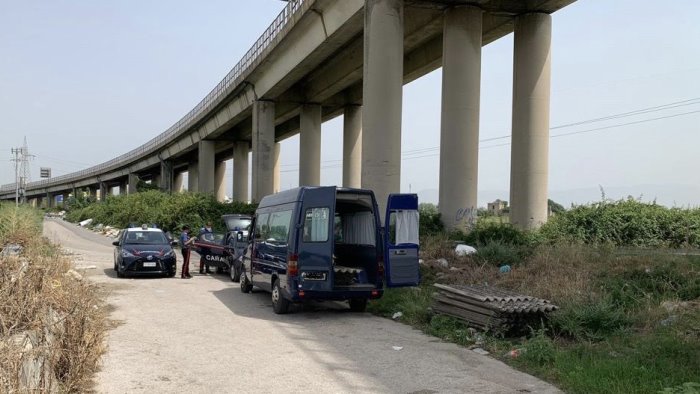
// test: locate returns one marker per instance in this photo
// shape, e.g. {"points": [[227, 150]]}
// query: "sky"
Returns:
{"points": [[86, 81]]}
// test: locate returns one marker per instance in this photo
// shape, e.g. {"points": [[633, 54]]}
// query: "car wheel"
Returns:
{"points": [[358, 304], [246, 286], [279, 304], [120, 274], [219, 270], [115, 266], [235, 273]]}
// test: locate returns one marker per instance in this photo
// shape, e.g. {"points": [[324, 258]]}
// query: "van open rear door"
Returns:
{"points": [[401, 241]]}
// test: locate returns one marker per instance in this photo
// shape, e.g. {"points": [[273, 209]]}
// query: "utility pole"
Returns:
{"points": [[22, 173], [16, 152]]}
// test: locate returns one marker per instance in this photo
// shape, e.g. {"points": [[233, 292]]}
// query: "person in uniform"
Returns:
{"points": [[185, 242], [202, 235]]}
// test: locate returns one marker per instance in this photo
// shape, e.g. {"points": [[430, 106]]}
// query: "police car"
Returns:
{"points": [[143, 251]]}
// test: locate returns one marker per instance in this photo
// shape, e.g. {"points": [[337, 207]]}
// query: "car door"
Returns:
{"points": [[401, 241]]}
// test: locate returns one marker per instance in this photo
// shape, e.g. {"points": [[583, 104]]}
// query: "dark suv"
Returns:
{"points": [[143, 251]]}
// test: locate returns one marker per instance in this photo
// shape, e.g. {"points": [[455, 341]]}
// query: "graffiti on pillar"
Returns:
{"points": [[466, 217]]}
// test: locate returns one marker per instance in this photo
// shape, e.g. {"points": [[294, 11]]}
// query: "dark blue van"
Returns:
{"points": [[327, 243]]}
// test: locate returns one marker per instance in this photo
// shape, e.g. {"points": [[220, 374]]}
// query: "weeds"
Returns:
{"points": [[62, 317]]}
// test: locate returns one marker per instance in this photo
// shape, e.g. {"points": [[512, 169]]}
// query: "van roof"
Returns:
{"points": [[294, 195]]}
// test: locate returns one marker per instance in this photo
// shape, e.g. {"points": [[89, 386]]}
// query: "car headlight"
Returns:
{"points": [[171, 253], [126, 253]]}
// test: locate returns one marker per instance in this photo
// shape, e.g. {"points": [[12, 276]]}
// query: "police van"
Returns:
{"points": [[328, 243]]}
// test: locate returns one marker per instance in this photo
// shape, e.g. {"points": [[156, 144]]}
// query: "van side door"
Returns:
{"points": [[315, 242], [401, 241]]}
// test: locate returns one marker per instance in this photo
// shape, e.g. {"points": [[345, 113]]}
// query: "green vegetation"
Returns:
{"points": [[169, 211], [629, 317], [52, 324]]}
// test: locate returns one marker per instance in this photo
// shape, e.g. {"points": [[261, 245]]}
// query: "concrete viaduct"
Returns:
{"points": [[324, 58]]}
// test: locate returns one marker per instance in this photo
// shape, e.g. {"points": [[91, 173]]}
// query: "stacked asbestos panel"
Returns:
{"points": [[489, 308]]}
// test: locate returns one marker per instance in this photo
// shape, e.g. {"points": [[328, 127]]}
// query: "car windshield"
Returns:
{"points": [[212, 237], [237, 223], [145, 238]]}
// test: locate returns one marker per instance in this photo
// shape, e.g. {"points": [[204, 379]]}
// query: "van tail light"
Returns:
{"points": [[380, 266], [292, 265]]}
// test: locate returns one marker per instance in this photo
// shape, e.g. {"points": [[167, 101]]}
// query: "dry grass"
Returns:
{"points": [[65, 316]]}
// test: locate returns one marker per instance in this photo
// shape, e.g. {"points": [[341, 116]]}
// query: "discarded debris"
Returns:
{"points": [[85, 222], [10, 250], [443, 263], [464, 250], [488, 308], [397, 315], [479, 350], [397, 348]]}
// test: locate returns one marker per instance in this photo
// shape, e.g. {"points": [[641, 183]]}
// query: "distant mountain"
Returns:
{"points": [[672, 195]]}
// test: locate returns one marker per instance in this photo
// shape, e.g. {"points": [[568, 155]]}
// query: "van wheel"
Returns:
{"points": [[358, 304], [279, 304]]}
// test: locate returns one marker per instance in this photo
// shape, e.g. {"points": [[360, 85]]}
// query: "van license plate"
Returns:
{"points": [[313, 275], [152, 264]]}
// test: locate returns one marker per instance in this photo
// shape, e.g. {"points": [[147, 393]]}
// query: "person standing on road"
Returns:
{"points": [[185, 242], [202, 232]]}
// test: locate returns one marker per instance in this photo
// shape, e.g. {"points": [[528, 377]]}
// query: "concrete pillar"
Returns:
{"points": [[382, 95], [132, 182], [205, 167], [220, 181], [123, 188], [165, 178], [240, 171], [105, 190], [178, 180], [276, 168], [50, 200], [92, 192], [192, 177], [310, 145], [530, 139], [352, 146], [459, 127], [263, 147]]}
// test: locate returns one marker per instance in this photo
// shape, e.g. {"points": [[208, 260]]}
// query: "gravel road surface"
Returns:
{"points": [[203, 335]]}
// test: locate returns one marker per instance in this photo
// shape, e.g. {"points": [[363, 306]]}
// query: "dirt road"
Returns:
{"points": [[204, 336]]}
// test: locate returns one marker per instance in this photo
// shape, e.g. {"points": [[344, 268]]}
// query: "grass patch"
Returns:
{"points": [[626, 323]]}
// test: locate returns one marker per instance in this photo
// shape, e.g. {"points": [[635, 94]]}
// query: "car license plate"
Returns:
{"points": [[151, 264]]}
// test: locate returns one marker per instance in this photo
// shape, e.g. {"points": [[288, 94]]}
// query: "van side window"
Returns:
{"points": [[316, 223], [261, 229], [279, 227], [403, 227]]}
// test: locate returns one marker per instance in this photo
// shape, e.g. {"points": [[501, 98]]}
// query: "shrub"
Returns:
{"points": [[170, 211], [625, 223], [430, 222], [539, 349], [590, 320]]}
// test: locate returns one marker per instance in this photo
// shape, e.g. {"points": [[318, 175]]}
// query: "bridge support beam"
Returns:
{"points": [[220, 181], [530, 136], [459, 126], [178, 180], [310, 145], [192, 177], [240, 171], [263, 148], [132, 182], [382, 98], [206, 167], [165, 178], [276, 168], [352, 146]]}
